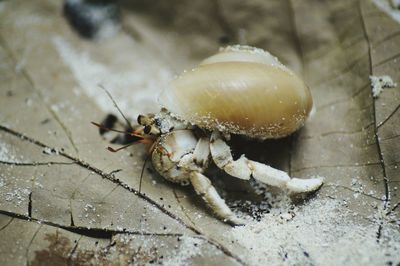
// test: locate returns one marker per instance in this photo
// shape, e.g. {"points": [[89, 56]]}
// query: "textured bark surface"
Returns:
{"points": [[64, 199]]}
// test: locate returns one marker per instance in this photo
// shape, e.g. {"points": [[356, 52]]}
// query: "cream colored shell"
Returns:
{"points": [[240, 90]]}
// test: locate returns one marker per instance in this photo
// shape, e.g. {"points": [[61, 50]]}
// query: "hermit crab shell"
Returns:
{"points": [[240, 90]]}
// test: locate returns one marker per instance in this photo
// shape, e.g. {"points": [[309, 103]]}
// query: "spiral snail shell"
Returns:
{"points": [[240, 90]]}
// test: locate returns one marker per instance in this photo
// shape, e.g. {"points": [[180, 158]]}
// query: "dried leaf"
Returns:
{"points": [[64, 198]]}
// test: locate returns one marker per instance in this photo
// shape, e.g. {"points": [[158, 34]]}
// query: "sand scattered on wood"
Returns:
{"points": [[320, 232]]}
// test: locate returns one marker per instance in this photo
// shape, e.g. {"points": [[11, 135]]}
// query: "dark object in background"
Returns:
{"points": [[395, 4], [110, 121], [92, 19]]}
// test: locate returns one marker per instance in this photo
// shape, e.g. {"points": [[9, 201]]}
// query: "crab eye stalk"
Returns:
{"points": [[151, 130], [240, 90], [147, 129], [141, 119], [145, 120]]}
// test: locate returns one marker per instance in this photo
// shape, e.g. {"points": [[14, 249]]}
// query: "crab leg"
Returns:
{"points": [[203, 187], [244, 168]]}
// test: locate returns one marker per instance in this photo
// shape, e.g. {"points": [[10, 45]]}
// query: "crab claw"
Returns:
{"points": [[298, 185]]}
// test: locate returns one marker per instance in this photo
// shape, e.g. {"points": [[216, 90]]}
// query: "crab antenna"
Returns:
{"points": [[115, 130], [142, 172], [116, 106], [123, 147]]}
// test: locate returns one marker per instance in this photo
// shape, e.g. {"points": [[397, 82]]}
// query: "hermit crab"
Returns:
{"points": [[240, 90]]}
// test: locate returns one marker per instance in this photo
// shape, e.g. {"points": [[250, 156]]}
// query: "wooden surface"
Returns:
{"points": [[62, 203]]}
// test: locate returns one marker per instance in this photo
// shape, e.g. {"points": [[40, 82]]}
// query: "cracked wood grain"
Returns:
{"points": [[84, 164], [355, 191], [97, 232], [30, 243], [73, 250], [81, 198], [376, 66], [377, 141], [35, 163], [119, 183], [348, 70], [49, 109], [183, 208], [7, 224], [388, 117], [64, 236], [335, 166]]}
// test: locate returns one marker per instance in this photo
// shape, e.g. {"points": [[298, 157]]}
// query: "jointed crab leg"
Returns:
{"points": [[244, 168], [206, 190]]}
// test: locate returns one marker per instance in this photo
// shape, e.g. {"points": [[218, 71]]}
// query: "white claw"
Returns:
{"points": [[298, 185]]}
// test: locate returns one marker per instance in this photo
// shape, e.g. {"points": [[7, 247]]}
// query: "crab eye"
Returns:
{"points": [[147, 129], [140, 119]]}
